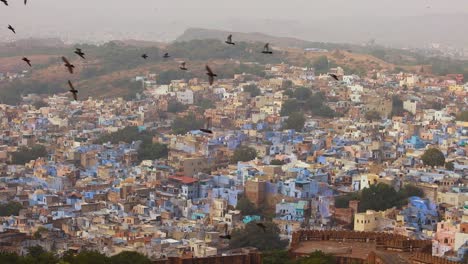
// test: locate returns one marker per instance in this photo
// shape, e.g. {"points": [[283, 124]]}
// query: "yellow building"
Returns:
{"points": [[452, 198]]}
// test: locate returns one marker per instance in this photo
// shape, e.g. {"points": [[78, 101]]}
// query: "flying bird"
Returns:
{"points": [[80, 53], [182, 66], [166, 55], [266, 49], [207, 129], [225, 237], [144, 56], [73, 91], [262, 226], [210, 74], [5, 2], [11, 28], [67, 64], [334, 76], [27, 61], [229, 40]]}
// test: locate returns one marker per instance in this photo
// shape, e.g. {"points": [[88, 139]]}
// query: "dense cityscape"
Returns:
{"points": [[224, 147]]}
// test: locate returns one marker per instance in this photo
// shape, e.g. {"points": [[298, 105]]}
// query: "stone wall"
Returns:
{"points": [[421, 258], [250, 258], [384, 241]]}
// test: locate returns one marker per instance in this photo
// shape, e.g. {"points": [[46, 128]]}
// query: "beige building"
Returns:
{"points": [[374, 221], [452, 198]]}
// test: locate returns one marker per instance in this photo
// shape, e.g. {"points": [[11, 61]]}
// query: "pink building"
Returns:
{"points": [[444, 239]]}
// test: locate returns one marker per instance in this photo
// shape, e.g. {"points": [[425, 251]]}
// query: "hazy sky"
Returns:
{"points": [[167, 18]]}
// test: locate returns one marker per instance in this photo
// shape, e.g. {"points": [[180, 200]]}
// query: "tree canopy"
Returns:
{"points": [[244, 153], [254, 236], [253, 90], [295, 121], [246, 207], [379, 197], [303, 100], [463, 116], [277, 162], [37, 255], [433, 157], [147, 151], [10, 208], [25, 154], [182, 125], [373, 116]]}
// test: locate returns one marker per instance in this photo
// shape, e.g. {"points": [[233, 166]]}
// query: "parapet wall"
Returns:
{"points": [[421, 258], [384, 241]]}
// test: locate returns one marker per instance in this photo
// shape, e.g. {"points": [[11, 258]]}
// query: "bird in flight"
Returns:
{"points": [[182, 66], [67, 64], [80, 53], [334, 76], [5, 2], [11, 28], [262, 226], [266, 49], [229, 40], [144, 56], [27, 61], [210, 74], [166, 55], [73, 91], [207, 129]]}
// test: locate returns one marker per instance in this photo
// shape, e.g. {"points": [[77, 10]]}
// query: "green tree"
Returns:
{"points": [[450, 166], [127, 135], [397, 106], [246, 207], [10, 208], [39, 231], [302, 93], [176, 107], [321, 65], [152, 151], [373, 116], [343, 201], [37, 255], [253, 90], [166, 77], [205, 104], [39, 104], [277, 257], [9, 258], [433, 157], [378, 197], [463, 116], [410, 191], [254, 236], [89, 257], [129, 257], [290, 106], [25, 154], [243, 154], [295, 121], [277, 162], [182, 125]]}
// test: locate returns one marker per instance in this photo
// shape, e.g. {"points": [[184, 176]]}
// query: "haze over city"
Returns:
{"points": [[390, 22]]}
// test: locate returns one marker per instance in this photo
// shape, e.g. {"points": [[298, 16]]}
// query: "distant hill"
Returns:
{"points": [[285, 42]]}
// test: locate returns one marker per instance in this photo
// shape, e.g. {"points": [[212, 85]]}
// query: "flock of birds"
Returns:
{"points": [[183, 66]]}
